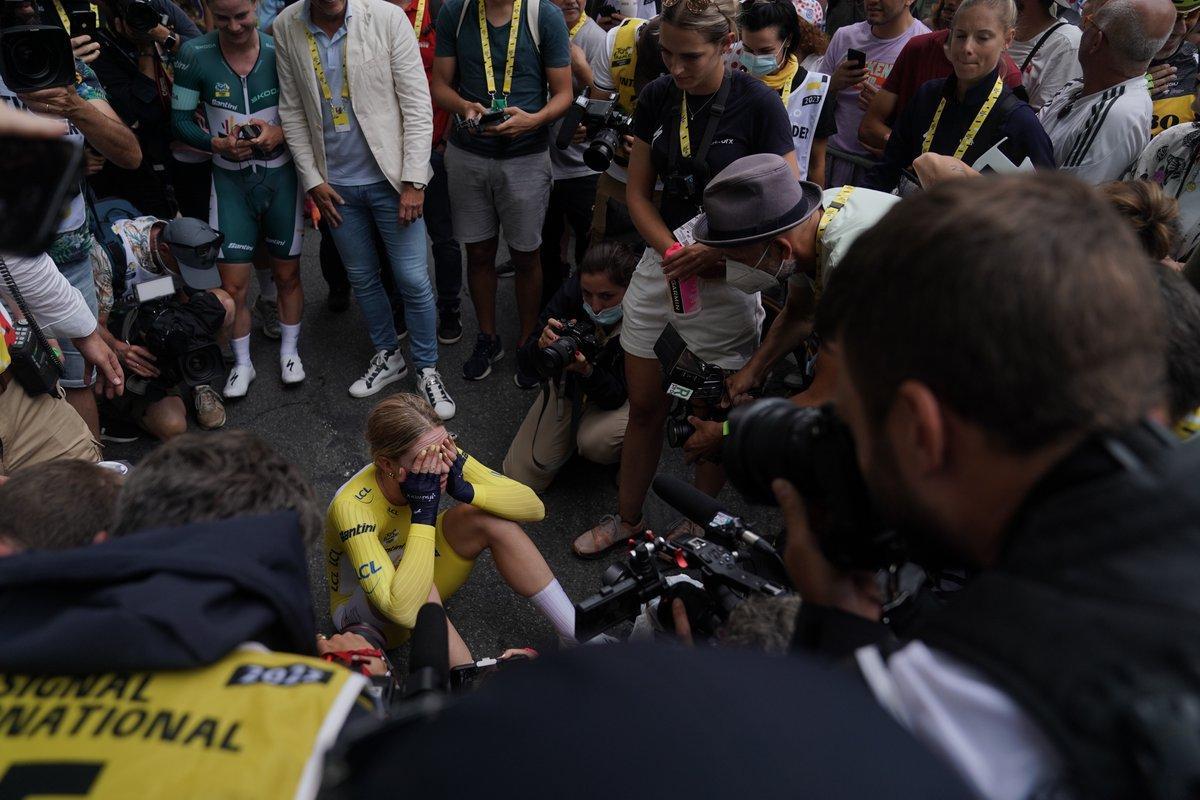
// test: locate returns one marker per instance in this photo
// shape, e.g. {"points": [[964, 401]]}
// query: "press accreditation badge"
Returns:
{"points": [[341, 119]]}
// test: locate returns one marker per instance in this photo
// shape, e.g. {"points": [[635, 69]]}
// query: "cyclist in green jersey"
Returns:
{"points": [[255, 194]]}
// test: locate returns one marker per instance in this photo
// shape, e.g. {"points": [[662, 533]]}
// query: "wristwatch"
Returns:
{"points": [[420, 187], [171, 42]]}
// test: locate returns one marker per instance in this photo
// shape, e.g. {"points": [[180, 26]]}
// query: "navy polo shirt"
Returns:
{"points": [[1020, 125]]}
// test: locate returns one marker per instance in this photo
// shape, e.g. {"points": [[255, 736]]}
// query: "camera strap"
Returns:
{"points": [[576, 413]]}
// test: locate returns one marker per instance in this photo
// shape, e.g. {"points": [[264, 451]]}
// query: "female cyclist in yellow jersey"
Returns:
{"points": [[389, 551]]}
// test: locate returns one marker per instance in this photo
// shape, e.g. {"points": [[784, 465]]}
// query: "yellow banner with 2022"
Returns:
{"points": [[254, 725]]}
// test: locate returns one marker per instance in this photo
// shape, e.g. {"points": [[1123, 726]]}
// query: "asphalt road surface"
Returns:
{"points": [[320, 427]]}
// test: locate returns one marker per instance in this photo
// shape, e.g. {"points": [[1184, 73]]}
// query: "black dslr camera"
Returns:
{"points": [[812, 448], [573, 337], [184, 345], [33, 56], [688, 379], [711, 577], [605, 126], [140, 15]]}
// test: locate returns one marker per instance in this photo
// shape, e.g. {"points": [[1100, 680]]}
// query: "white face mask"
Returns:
{"points": [[752, 279]]}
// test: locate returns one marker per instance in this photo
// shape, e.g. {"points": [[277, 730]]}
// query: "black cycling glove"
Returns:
{"points": [[423, 491], [457, 486]]}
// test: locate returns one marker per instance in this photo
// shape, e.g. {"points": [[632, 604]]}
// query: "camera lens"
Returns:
{"points": [[679, 431], [141, 16], [551, 360], [599, 154], [32, 59], [770, 439], [202, 365]]}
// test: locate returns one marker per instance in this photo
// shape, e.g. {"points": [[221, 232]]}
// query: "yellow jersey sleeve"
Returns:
{"points": [[397, 593], [502, 496]]}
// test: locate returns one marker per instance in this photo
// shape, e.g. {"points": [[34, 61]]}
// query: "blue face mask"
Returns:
{"points": [[759, 65], [609, 316]]}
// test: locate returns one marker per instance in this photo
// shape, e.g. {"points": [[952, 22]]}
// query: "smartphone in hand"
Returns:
{"points": [[83, 23], [857, 56]]}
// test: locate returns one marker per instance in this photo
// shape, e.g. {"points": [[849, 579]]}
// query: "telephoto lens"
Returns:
{"points": [[814, 449], [599, 154], [679, 430]]}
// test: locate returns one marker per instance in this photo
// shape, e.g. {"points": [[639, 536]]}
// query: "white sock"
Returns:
{"points": [[266, 284], [554, 604], [241, 350], [289, 335]]}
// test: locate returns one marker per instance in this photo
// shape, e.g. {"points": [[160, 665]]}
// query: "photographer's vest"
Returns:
{"points": [[622, 63], [256, 724], [804, 106], [1091, 622]]}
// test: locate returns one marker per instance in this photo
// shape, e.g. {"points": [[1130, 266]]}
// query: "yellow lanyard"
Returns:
{"points": [[969, 138], [583, 18], [839, 202], [685, 139], [63, 14], [316, 60], [484, 40], [419, 20]]}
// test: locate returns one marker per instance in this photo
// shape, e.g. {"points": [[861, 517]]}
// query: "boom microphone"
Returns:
{"points": [[429, 664], [707, 512]]}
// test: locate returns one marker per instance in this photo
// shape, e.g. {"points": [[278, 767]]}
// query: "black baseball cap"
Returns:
{"points": [[195, 246]]}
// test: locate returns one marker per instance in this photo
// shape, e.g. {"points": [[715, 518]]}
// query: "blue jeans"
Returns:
{"points": [[378, 204], [79, 274]]}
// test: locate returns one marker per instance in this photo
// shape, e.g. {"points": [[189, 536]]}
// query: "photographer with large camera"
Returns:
{"points": [[688, 126], [1063, 666], [774, 228], [49, 82], [139, 40], [165, 325], [582, 367]]}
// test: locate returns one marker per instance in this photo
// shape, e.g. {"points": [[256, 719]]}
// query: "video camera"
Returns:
{"points": [[184, 346], [140, 15], [711, 578], [605, 126], [814, 449], [688, 379], [33, 56], [573, 337]]}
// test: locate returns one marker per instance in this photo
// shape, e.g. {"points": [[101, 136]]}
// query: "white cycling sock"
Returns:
{"points": [[289, 335], [554, 604], [266, 284], [241, 350]]}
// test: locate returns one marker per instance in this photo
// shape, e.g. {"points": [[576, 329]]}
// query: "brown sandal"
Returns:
{"points": [[611, 531], [683, 528]]}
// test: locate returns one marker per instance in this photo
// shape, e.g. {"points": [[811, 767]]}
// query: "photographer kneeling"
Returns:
{"points": [[997, 384], [583, 402], [164, 328]]}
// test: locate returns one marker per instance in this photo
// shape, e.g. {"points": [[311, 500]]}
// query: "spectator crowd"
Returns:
{"points": [[961, 238]]}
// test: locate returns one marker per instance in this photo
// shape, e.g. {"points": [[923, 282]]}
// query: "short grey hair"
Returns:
{"points": [[1125, 28], [1006, 10], [214, 476]]}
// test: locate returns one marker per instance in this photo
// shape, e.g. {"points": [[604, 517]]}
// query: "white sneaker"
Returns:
{"points": [[239, 380], [387, 366], [292, 369], [429, 384]]}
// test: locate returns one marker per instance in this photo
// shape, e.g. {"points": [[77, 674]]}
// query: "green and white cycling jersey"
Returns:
{"points": [[203, 76]]}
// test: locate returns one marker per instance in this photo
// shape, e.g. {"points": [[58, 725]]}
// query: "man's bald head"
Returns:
{"points": [[1134, 29]]}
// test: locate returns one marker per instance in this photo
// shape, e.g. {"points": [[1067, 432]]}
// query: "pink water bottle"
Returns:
{"points": [[685, 293]]}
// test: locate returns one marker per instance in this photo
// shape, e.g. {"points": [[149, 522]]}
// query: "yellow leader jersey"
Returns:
{"points": [[255, 724], [374, 545]]}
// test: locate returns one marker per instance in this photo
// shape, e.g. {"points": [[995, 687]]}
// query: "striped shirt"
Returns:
{"points": [[1097, 137]]}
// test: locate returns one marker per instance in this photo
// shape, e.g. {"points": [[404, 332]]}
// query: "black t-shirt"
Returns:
{"points": [[754, 122]]}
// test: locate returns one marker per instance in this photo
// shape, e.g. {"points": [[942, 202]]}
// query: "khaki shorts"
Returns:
{"points": [[724, 331], [34, 430], [487, 194]]}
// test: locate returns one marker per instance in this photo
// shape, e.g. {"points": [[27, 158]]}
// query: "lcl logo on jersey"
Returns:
{"points": [[221, 90]]}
